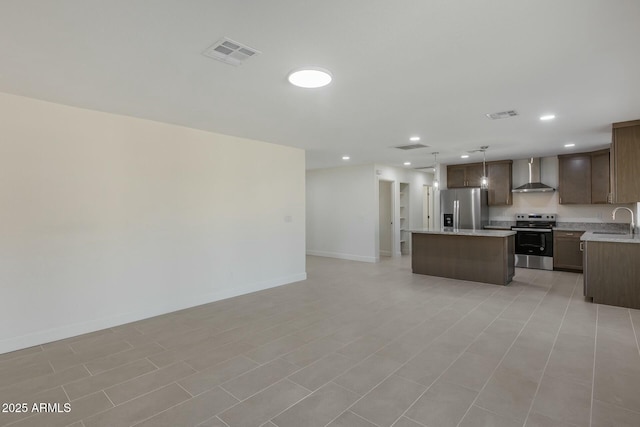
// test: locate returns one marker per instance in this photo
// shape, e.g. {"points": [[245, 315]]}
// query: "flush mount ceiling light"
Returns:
{"points": [[464, 156], [310, 77], [414, 138], [346, 157], [407, 163], [547, 117], [570, 145]]}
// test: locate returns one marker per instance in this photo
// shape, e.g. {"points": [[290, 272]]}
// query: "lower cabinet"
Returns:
{"points": [[611, 271], [566, 250]]}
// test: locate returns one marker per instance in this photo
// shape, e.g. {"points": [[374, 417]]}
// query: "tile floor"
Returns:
{"points": [[355, 345]]}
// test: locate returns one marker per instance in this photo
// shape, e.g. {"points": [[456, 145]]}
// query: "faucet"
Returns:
{"points": [[632, 227]]}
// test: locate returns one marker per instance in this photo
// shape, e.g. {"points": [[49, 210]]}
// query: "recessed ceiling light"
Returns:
{"points": [[414, 138], [465, 156], [570, 145], [548, 117], [407, 163], [310, 77], [346, 157]]}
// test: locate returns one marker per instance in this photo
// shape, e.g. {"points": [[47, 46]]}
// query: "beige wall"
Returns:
{"points": [[106, 219]]}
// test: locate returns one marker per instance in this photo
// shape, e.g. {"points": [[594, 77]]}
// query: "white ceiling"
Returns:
{"points": [[411, 67]]}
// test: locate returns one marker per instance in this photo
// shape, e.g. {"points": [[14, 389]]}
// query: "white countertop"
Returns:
{"points": [[590, 236], [477, 233]]}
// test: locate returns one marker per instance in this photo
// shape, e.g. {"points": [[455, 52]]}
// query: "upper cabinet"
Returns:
{"points": [[500, 182], [470, 175], [583, 178], [625, 158], [461, 176]]}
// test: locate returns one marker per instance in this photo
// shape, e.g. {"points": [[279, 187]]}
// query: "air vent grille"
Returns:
{"points": [[410, 146], [230, 52], [502, 115]]}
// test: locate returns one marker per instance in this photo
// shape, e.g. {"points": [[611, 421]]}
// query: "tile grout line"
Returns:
{"points": [[593, 376], [555, 340], [359, 416], [409, 418], [108, 398], [412, 358], [165, 409], [505, 354]]}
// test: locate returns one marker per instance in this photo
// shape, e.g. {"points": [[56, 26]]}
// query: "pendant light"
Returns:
{"points": [[436, 171], [484, 181]]}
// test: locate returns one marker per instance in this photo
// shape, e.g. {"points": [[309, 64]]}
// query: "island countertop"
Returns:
{"points": [[477, 233]]}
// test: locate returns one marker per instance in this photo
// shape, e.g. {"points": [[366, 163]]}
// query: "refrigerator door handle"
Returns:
{"points": [[456, 214]]}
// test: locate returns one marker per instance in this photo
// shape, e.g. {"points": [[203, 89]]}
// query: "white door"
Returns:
{"points": [[386, 218]]}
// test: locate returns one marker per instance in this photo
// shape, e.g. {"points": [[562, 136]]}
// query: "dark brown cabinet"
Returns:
{"points": [[600, 177], [500, 182], [566, 250], [611, 271], [461, 176], [583, 178], [625, 158], [470, 175]]}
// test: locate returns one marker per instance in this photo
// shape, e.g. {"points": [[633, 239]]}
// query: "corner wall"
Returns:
{"points": [[341, 212], [108, 219]]}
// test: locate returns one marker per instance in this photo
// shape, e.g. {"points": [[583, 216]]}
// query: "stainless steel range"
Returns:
{"points": [[534, 240]]}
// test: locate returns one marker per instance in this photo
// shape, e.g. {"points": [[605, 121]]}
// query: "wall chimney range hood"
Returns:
{"points": [[534, 185]]}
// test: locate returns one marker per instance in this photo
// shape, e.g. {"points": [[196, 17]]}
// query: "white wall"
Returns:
{"points": [[342, 210], [107, 219], [548, 202]]}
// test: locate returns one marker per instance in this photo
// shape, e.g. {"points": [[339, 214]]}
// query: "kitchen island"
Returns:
{"points": [[478, 255]]}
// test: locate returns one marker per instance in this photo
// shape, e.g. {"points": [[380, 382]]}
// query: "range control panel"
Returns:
{"points": [[535, 217]]}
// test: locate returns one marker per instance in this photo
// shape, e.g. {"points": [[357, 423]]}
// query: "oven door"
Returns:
{"points": [[531, 241]]}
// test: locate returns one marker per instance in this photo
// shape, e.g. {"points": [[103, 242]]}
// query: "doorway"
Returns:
{"points": [[427, 206], [385, 206]]}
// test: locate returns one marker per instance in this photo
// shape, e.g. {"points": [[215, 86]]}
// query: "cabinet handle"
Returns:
{"points": [[569, 234], [581, 246]]}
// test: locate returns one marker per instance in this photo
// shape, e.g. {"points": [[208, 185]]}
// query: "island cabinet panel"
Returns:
{"points": [[500, 182], [566, 250], [611, 272], [462, 176], [474, 258], [583, 178], [625, 158]]}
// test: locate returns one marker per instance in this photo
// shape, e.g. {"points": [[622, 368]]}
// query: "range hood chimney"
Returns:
{"points": [[534, 185]]}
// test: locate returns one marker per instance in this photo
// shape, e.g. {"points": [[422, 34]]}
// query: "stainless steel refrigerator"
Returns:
{"points": [[464, 209]]}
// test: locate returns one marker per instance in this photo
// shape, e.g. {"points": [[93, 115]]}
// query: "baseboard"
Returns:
{"points": [[67, 331], [338, 255], [385, 253]]}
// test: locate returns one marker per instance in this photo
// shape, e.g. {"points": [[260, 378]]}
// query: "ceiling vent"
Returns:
{"points": [[502, 115], [424, 167], [230, 52], [411, 146]]}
